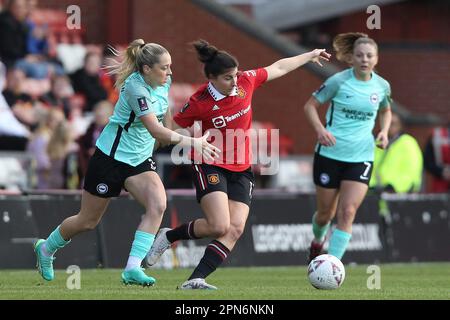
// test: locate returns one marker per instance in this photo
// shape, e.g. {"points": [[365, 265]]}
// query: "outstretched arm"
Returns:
{"points": [[286, 65]]}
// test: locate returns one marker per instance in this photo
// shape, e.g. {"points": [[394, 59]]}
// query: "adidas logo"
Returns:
{"points": [[215, 108]]}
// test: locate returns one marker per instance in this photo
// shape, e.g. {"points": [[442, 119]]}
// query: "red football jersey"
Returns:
{"points": [[228, 118]]}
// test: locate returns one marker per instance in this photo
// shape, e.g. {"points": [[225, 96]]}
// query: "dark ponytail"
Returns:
{"points": [[216, 61]]}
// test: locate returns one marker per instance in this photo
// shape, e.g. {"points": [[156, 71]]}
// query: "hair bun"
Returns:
{"points": [[212, 55]]}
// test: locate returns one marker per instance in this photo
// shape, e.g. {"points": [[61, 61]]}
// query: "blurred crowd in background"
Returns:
{"points": [[54, 102], [56, 98]]}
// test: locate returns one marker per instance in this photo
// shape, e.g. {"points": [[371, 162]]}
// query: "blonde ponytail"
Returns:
{"points": [[134, 58]]}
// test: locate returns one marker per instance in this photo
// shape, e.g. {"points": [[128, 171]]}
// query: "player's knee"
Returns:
{"points": [[89, 224], [158, 207], [161, 207], [348, 213], [219, 229], [323, 217], [236, 232]]}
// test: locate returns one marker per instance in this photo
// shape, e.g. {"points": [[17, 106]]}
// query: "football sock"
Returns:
{"points": [[338, 243], [215, 254], [183, 232], [54, 242], [139, 249], [319, 231]]}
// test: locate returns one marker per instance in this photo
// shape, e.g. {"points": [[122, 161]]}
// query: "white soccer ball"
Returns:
{"points": [[326, 272]]}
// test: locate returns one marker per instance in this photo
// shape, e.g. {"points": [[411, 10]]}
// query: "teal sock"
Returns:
{"points": [[338, 243], [141, 246], [54, 242], [319, 231]]}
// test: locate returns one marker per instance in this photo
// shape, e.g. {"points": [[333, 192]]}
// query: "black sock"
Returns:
{"points": [[183, 232], [215, 254]]}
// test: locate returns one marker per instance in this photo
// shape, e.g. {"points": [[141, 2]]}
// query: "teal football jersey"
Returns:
{"points": [[351, 114], [125, 137]]}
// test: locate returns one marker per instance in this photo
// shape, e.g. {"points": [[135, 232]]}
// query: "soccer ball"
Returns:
{"points": [[326, 272]]}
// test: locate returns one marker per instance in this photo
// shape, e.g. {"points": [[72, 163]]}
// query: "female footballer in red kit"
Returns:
{"points": [[224, 187]]}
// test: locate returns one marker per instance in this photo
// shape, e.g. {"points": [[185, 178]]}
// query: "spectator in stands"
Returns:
{"points": [[123, 159], [399, 167], [22, 104], [344, 154], [102, 111], [60, 94], [14, 35], [437, 159], [78, 121], [224, 187], [87, 81], [13, 134], [37, 42], [49, 146], [14, 92], [13, 32], [58, 149]]}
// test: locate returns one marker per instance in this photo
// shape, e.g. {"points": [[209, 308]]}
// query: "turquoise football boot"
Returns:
{"points": [[137, 276], [44, 263]]}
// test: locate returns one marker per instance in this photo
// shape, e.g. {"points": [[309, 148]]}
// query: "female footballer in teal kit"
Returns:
{"points": [[345, 150], [123, 158]]}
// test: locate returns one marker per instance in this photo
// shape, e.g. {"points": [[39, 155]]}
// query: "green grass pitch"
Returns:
{"points": [[398, 281]]}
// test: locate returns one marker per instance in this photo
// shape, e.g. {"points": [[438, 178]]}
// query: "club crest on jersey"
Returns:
{"points": [[241, 93], [374, 98], [219, 122], [142, 104], [213, 178], [184, 107]]}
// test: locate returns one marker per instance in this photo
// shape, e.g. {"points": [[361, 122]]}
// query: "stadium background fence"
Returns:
{"points": [[278, 231]]}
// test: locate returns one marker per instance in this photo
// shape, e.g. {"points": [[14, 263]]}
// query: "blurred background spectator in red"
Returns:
{"points": [[437, 159]]}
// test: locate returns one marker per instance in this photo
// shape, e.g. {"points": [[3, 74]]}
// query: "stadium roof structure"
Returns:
{"points": [[270, 37], [294, 13], [285, 14]]}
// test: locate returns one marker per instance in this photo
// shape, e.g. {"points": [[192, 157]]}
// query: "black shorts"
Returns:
{"points": [[237, 185], [328, 173], [105, 176]]}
